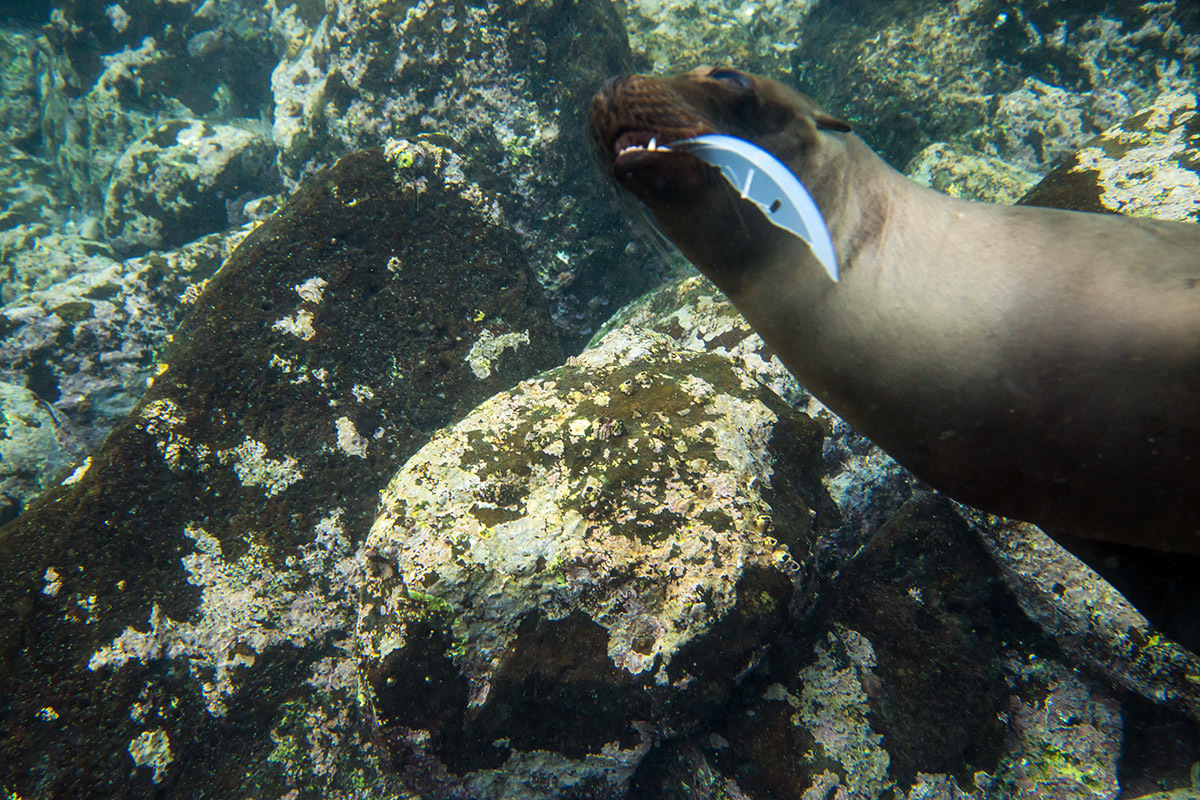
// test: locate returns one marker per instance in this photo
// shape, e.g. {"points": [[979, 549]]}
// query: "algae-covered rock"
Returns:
{"points": [[507, 82], [915, 677], [1145, 166], [185, 179], [1092, 622], [583, 565], [35, 448], [865, 485], [758, 35], [960, 171], [176, 621], [1028, 81]]}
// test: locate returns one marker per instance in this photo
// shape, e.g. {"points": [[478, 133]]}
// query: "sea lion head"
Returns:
{"points": [[636, 118]]}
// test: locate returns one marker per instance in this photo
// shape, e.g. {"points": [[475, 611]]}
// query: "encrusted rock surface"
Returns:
{"points": [[1146, 166], [185, 179], [507, 82], [584, 565], [865, 485], [757, 35], [176, 620], [960, 171], [915, 677]]}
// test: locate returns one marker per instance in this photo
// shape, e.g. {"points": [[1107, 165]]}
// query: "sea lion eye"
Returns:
{"points": [[739, 80]]}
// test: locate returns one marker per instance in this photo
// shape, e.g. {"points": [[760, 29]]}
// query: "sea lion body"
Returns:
{"points": [[1036, 363]]}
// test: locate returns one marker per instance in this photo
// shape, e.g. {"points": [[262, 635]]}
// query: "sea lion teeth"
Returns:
{"points": [[1035, 363]]}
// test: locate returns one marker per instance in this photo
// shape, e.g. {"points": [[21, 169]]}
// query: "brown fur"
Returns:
{"points": [[1036, 363]]}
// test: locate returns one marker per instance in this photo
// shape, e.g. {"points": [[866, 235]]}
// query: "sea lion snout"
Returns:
{"points": [[632, 110]]}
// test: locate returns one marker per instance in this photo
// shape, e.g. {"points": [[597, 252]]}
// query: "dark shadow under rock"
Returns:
{"points": [[899, 673]]}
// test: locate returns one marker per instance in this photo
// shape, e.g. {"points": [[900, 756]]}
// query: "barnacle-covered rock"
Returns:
{"points": [[184, 179], [35, 448], [1148, 165], [178, 615], [507, 82], [583, 565]]}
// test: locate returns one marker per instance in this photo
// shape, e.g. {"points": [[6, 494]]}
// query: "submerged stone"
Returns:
{"points": [[184, 179], [175, 621], [1148, 165], [584, 565]]}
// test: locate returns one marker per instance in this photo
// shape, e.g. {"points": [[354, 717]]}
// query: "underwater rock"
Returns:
{"points": [[583, 565], [112, 71], [865, 484], [19, 116], [757, 35], [1036, 125], [177, 620], [916, 677], [185, 179], [86, 330], [907, 74], [35, 448], [29, 210], [1089, 619], [507, 82], [961, 171], [1145, 166]]}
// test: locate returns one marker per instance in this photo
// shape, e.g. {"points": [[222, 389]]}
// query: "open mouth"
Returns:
{"points": [[633, 140]]}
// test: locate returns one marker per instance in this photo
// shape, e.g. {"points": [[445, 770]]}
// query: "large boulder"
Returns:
{"points": [[175, 618], [185, 179], [583, 566]]}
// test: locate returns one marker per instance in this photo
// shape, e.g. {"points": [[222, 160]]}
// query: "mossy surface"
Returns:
{"points": [[203, 565]]}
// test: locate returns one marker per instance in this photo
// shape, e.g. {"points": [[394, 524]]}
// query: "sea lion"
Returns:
{"points": [[1035, 363]]}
